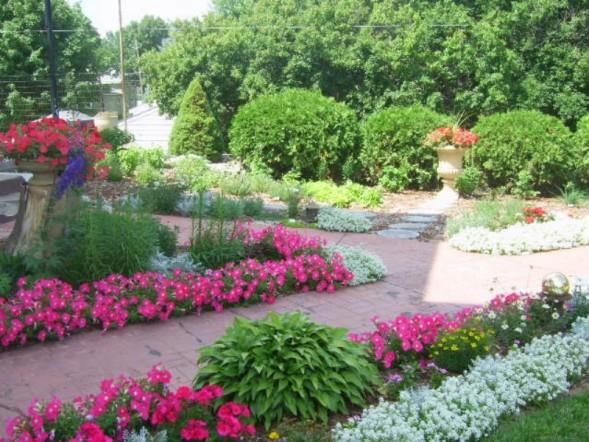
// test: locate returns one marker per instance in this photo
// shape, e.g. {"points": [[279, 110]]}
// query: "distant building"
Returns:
{"points": [[149, 128]]}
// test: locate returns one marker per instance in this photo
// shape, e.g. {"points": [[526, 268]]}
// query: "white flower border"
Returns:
{"points": [[365, 266], [340, 220], [519, 239], [469, 406]]}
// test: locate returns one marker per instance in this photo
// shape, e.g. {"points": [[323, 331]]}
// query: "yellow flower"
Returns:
{"points": [[275, 435], [454, 348]]}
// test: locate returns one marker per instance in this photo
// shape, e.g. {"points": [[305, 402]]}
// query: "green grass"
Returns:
{"points": [[573, 196], [564, 420], [493, 215]]}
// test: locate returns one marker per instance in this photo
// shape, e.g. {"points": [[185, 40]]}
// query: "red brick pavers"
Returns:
{"points": [[424, 277]]}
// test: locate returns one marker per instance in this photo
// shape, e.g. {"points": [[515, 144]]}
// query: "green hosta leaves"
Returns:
{"points": [[287, 365]]}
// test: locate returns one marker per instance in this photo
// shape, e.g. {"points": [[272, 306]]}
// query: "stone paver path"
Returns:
{"points": [[424, 277], [418, 220]]}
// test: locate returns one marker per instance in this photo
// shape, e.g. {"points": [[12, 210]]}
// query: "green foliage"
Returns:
{"points": [[566, 417], [116, 137], [582, 141], [573, 196], [23, 59], [147, 175], [493, 215], [160, 198], [469, 181], [288, 366], [456, 349], [167, 239], [525, 151], [195, 129], [295, 131], [12, 267], [134, 156], [214, 242], [115, 171], [343, 196], [226, 208], [193, 172], [252, 207], [393, 147], [98, 243], [237, 184], [139, 37]]}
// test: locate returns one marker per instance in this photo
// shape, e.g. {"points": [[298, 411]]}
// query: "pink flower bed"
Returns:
{"points": [[408, 337], [51, 308], [127, 404]]}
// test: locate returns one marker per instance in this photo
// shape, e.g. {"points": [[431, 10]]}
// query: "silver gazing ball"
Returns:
{"points": [[556, 284]]}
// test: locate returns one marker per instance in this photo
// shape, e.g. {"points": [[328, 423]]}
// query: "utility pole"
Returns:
{"points": [[51, 56], [138, 69], [122, 54]]}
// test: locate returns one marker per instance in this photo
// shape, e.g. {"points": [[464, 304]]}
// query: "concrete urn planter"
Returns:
{"points": [[450, 163]]}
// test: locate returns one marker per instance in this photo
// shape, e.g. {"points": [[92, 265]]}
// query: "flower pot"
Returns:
{"points": [[106, 120], [34, 204], [450, 163]]}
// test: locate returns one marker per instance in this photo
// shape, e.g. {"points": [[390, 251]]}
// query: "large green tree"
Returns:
{"points": [[24, 72], [139, 37], [464, 57]]}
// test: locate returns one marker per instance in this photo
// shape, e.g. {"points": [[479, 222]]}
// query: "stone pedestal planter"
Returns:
{"points": [[450, 164], [105, 120], [34, 205]]}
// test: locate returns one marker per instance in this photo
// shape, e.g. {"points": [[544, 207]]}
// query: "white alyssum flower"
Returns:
{"points": [[469, 406], [340, 220], [521, 238], [581, 328], [365, 266]]}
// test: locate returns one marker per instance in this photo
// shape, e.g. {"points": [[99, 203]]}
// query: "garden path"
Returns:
{"points": [[424, 277]]}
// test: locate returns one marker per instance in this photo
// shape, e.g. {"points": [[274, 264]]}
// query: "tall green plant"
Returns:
{"points": [[195, 129]]}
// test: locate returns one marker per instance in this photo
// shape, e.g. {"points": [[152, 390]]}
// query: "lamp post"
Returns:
{"points": [[51, 56]]}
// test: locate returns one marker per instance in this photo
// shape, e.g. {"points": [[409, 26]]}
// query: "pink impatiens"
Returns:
{"points": [[51, 308], [135, 403]]}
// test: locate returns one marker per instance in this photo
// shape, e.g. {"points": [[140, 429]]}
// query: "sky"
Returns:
{"points": [[104, 13]]}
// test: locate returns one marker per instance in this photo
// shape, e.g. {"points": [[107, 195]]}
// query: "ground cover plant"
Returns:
{"points": [[288, 365], [365, 266], [339, 220], [488, 214], [344, 195]]}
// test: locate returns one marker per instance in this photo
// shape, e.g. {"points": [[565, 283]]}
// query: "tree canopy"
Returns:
{"points": [[24, 72], [464, 57]]}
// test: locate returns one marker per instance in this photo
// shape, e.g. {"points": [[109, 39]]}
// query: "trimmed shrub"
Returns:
{"points": [[393, 140], [295, 130], [196, 130], [524, 151], [286, 365]]}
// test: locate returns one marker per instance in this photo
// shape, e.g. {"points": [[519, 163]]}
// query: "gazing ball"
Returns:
{"points": [[556, 284]]}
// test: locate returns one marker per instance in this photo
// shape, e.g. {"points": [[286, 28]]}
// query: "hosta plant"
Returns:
{"points": [[287, 365]]}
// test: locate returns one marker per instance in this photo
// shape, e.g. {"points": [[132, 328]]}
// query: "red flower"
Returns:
{"points": [[195, 429]]}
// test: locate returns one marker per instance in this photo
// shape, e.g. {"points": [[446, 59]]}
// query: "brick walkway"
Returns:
{"points": [[424, 277]]}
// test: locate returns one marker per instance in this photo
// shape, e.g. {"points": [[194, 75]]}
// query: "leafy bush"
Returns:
{"points": [[160, 198], [582, 142], [167, 239], [237, 184], [524, 150], [147, 175], [116, 137], [132, 157], [115, 171], [252, 206], [193, 172], [195, 129], [365, 266], [456, 349], [339, 220], [226, 208], [493, 215], [97, 244], [343, 196], [12, 267], [295, 130], [469, 181], [288, 365], [573, 195], [393, 147]]}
